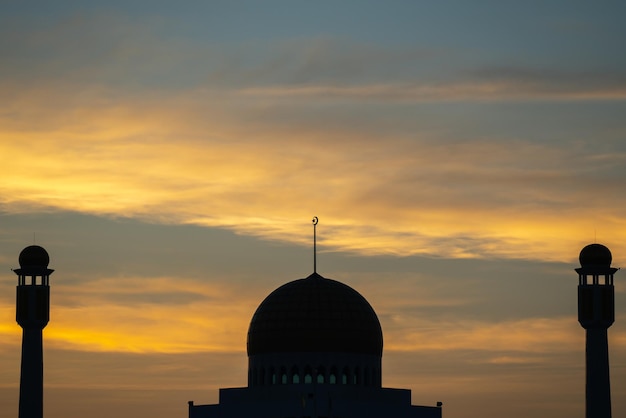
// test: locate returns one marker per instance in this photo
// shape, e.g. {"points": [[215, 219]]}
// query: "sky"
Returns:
{"points": [[170, 158]]}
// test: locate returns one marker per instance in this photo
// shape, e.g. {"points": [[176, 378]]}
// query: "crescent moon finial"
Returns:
{"points": [[315, 220]]}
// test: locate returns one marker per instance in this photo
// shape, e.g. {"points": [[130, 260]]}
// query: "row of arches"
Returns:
{"points": [[366, 376]]}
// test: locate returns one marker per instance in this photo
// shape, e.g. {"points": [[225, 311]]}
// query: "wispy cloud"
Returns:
{"points": [[140, 324], [209, 158], [260, 135], [466, 91], [527, 336], [161, 320]]}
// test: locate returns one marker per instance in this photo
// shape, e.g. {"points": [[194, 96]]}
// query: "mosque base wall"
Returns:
{"points": [[314, 400]]}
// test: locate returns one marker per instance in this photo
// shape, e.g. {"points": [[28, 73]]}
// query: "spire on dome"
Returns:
{"points": [[315, 222]]}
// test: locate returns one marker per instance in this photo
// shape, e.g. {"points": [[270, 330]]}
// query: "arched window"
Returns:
{"points": [[321, 375], [283, 376], [295, 375], [332, 379], [355, 377], [273, 374], [308, 377], [345, 376]]}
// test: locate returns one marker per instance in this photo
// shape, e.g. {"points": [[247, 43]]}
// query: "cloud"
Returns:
{"points": [[187, 158], [150, 315], [575, 89], [91, 317], [527, 336], [290, 135], [137, 53]]}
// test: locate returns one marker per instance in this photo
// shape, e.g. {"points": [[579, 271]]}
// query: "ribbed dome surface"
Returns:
{"points": [[315, 315]]}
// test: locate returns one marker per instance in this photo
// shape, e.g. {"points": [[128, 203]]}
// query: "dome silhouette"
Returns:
{"points": [[595, 254], [315, 314], [34, 256]]}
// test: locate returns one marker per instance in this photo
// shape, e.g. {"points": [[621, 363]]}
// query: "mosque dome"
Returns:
{"points": [[595, 254], [34, 256], [315, 314]]}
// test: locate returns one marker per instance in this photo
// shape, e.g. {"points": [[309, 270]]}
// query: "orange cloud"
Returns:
{"points": [[143, 315], [192, 158], [150, 315], [172, 315], [527, 335]]}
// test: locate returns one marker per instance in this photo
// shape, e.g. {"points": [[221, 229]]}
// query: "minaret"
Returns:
{"points": [[32, 314], [596, 313]]}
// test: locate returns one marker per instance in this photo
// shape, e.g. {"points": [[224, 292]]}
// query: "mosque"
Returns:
{"points": [[315, 348]]}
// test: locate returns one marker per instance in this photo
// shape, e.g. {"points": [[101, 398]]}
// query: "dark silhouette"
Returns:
{"points": [[315, 349], [596, 313], [32, 314]]}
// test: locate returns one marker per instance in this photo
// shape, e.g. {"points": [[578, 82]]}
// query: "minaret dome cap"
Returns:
{"points": [[596, 255], [34, 256]]}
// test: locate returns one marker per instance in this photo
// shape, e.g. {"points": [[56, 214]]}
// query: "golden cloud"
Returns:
{"points": [[173, 315], [532, 335], [207, 158]]}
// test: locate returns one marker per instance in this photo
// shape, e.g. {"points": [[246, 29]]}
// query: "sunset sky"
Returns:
{"points": [[170, 158]]}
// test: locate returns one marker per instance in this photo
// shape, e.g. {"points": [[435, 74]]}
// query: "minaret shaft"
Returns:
{"points": [[31, 375], [597, 384], [32, 314]]}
